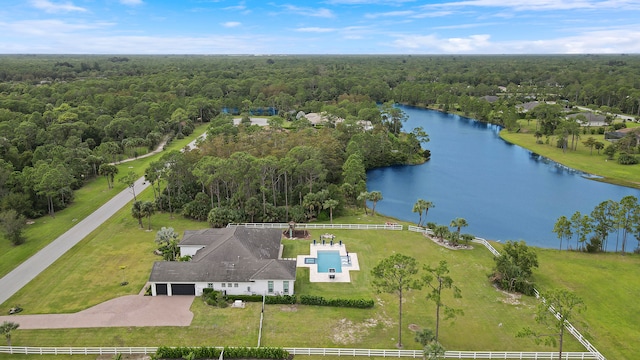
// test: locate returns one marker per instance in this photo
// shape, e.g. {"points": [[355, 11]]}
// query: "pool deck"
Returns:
{"points": [[315, 276]]}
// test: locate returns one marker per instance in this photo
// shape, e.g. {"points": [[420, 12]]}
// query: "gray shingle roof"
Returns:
{"points": [[234, 254]]}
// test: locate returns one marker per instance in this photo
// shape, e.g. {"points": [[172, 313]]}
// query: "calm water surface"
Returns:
{"points": [[505, 192]]}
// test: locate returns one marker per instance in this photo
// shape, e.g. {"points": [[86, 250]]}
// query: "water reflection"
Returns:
{"points": [[504, 192]]}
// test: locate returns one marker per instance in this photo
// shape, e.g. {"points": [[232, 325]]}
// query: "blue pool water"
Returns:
{"points": [[328, 259]]}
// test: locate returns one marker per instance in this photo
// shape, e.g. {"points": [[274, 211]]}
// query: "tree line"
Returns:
{"points": [[592, 232]]}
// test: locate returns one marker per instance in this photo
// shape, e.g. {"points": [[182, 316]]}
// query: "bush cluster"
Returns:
{"points": [[215, 298], [206, 352], [321, 301]]}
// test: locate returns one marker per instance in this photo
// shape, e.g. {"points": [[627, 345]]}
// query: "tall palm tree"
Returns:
{"points": [[330, 204], [136, 212], [364, 196], [426, 206], [374, 196], [417, 207]]}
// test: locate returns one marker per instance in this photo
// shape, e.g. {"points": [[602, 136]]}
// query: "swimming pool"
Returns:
{"points": [[329, 259]]}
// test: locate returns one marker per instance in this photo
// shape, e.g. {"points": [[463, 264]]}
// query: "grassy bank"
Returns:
{"points": [[90, 274], [87, 199], [582, 159]]}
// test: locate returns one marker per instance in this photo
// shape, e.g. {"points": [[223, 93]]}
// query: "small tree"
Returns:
{"points": [[364, 196], [11, 225], [555, 309], [514, 268], [434, 351], [109, 171], [425, 336], [396, 274], [130, 181], [437, 279], [7, 328], [167, 238], [562, 228]]}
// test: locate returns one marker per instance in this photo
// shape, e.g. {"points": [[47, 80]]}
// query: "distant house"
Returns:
{"points": [[236, 260], [490, 98], [614, 136], [321, 118], [590, 119], [528, 106]]}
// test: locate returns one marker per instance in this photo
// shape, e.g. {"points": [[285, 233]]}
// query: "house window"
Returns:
{"points": [[270, 287], [235, 285], [210, 285], [229, 285], [285, 287], [223, 284]]}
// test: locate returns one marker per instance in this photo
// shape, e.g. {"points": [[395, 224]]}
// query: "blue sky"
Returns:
{"points": [[319, 27]]}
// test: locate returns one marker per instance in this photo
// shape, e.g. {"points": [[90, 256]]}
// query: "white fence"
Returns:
{"points": [[389, 226], [308, 351]]}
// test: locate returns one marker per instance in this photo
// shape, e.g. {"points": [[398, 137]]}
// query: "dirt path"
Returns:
{"points": [[125, 311]]}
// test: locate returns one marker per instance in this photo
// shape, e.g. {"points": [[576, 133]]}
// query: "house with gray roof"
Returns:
{"points": [[236, 260], [588, 118]]}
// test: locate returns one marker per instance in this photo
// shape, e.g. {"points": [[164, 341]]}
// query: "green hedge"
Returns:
{"points": [[206, 352], [245, 298], [321, 301], [278, 299]]}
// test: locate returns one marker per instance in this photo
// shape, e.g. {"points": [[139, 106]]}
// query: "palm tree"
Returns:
{"points": [[136, 212], [364, 196], [426, 206], [330, 204], [146, 210], [374, 196], [458, 223], [417, 207]]}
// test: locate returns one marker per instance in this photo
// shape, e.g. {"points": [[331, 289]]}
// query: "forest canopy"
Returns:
{"points": [[63, 119]]}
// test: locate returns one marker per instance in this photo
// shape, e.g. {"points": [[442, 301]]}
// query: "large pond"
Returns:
{"points": [[505, 192]]}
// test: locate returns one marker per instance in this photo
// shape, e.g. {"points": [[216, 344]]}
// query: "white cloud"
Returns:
{"points": [[612, 41], [131, 2], [368, 2], [51, 7], [389, 14], [231, 24], [319, 12], [315, 30], [48, 28], [541, 5], [435, 44]]}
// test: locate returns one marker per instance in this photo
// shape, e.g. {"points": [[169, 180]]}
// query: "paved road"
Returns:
{"points": [[28, 270]]}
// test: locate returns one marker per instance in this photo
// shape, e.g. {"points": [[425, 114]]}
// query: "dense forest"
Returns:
{"points": [[64, 119]]}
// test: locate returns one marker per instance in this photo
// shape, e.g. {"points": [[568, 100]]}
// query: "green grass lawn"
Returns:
{"points": [[87, 199], [90, 274], [581, 159]]}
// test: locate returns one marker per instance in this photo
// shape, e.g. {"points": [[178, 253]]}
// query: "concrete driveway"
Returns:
{"points": [[126, 311]]}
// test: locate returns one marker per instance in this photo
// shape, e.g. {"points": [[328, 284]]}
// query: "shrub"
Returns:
{"points": [[627, 159], [321, 301], [206, 352], [280, 299]]}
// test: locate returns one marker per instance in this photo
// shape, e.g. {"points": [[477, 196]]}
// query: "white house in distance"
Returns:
{"points": [[235, 260]]}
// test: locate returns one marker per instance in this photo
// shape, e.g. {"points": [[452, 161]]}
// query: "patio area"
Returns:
{"points": [[348, 262]]}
